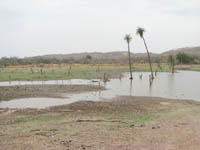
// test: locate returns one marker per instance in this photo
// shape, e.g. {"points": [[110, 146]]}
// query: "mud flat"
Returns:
{"points": [[124, 123], [51, 91]]}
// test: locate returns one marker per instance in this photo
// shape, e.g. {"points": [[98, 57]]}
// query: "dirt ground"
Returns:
{"points": [[124, 123], [53, 91]]}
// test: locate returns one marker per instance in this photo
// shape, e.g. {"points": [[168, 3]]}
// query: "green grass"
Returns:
{"points": [[77, 72], [142, 118], [165, 68], [188, 67], [195, 68], [81, 71], [40, 118], [135, 118]]}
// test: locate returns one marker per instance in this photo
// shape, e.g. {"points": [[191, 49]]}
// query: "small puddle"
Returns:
{"points": [[181, 85], [34, 103]]}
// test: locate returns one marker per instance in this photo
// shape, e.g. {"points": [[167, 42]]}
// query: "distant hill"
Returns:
{"points": [[120, 57], [95, 55], [188, 50], [119, 54]]}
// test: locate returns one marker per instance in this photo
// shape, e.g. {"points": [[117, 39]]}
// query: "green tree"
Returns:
{"points": [[158, 62], [89, 57], [140, 32], [171, 62], [183, 58], [128, 39]]}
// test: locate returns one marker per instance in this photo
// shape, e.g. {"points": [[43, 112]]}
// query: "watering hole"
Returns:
{"points": [[180, 85]]}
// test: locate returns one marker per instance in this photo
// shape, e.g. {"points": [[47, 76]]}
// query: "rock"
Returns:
{"points": [[83, 147], [156, 127], [142, 125]]}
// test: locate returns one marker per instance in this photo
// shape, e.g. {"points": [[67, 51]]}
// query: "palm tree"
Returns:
{"points": [[140, 32], [128, 39]]}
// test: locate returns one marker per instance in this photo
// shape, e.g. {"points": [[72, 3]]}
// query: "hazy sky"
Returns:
{"points": [[37, 27]]}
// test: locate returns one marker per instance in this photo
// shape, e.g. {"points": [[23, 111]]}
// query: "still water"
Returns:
{"points": [[181, 85]]}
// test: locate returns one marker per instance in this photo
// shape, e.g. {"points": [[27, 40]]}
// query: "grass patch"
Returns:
{"points": [[76, 72], [135, 118], [188, 67], [40, 118], [141, 118]]}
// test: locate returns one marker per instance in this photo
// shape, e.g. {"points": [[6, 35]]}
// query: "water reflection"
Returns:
{"points": [[131, 87], [170, 83]]}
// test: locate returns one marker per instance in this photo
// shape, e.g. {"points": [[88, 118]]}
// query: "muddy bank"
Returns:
{"points": [[51, 91], [124, 123], [118, 105]]}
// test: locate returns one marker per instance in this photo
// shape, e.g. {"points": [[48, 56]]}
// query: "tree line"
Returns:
{"points": [[181, 58]]}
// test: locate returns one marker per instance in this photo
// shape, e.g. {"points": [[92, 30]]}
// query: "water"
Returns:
{"points": [[49, 82], [34, 103], [181, 85]]}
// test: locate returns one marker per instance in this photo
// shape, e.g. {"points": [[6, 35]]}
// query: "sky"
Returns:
{"points": [[39, 27]]}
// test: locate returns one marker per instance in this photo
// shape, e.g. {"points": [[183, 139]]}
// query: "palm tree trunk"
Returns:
{"points": [[130, 62], [148, 57]]}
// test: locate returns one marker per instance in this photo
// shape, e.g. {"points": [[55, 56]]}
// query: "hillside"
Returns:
{"points": [[119, 54], [96, 55], [188, 50], [99, 57]]}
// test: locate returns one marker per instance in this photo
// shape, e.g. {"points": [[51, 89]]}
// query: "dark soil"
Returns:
{"points": [[54, 91]]}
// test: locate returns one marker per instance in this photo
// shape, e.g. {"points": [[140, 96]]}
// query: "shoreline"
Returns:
{"points": [[49, 91]]}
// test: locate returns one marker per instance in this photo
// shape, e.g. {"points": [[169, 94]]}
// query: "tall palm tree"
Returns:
{"points": [[128, 39], [140, 32]]}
